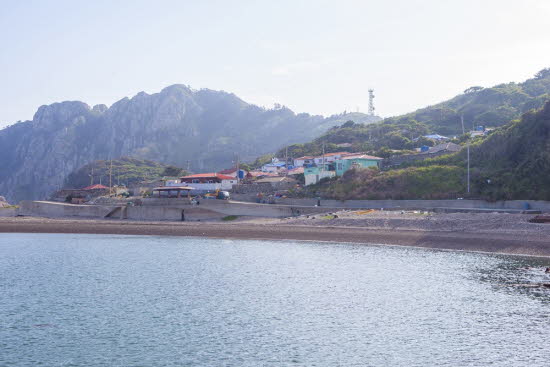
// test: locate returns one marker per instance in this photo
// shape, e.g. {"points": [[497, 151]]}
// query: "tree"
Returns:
{"points": [[348, 123], [544, 73], [473, 89], [172, 171]]}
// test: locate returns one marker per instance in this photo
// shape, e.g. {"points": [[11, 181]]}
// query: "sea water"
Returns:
{"points": [[103, 300]]}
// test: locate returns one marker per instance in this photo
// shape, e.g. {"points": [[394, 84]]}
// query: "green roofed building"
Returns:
{"points": [[356, 160]]}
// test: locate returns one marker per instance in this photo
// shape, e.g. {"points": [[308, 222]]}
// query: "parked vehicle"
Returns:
{"points": [[223, 195]]}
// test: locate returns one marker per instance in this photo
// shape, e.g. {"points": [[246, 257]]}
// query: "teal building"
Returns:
{"points": [[360, 160]]}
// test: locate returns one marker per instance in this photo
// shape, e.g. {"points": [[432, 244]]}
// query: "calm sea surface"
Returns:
{"points": [[101, 300]]}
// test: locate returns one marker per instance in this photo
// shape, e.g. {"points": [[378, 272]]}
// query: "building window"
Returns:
{"points": [[195, 181], [340, 166], [210, 181]]}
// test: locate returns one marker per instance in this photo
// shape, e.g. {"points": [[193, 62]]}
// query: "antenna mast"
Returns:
{"points": [[371, 102]]}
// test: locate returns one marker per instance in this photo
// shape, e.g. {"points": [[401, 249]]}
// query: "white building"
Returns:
{"points": [[274, 167], [303, 161], [329, 157], [313, 175], [209, 181]]}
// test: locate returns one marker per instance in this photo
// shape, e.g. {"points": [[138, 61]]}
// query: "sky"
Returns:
{"points": [[316, 56]]}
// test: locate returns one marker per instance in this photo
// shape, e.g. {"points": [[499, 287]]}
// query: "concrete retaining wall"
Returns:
{"points": [[156, 213], [259, 210], [171, 209], [8, 212], [420, 204], [175, 202], [208, 210], [53, 209]]}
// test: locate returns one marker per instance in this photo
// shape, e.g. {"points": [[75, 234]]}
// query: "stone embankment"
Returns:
{"points": [[7, 210], [165, 209]]}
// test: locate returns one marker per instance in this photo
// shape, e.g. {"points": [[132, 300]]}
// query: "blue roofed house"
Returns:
{"points": [[436, 137], [275, 166]]}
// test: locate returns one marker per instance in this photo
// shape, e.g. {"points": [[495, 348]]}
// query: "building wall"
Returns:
{"points": [[223, 185], [342, 165], [313, 175]]}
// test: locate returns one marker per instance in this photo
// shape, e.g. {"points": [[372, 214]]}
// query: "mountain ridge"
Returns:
{"points": [[203, 128]]}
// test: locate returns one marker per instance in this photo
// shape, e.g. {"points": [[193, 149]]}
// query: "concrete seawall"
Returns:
{"points": [[170, 211], [179, 209], [54, 209], [8, 212], [413, 204]]}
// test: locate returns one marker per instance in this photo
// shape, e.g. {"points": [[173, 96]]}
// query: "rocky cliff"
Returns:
{"points": [[178, 125]]}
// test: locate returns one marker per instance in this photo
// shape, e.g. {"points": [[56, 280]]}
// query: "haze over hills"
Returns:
{"points": [[512, 163], [203, 128], [490, 107]]}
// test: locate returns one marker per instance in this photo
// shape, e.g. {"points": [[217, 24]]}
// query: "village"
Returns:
{"points": [[265, 184]]}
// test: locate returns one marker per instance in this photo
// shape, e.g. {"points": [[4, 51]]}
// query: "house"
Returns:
{"points": [[234, 173], [259, 174], [445, 148], [329, 157], [95, 187], [275, 166], [313, 175], [295, 171], [209, 181], [78, 196], [436, 137], [353, 160], [304, 161]]}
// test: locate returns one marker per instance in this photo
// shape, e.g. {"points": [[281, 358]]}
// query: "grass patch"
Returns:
{"points": [[328, 217], [229, 218]]}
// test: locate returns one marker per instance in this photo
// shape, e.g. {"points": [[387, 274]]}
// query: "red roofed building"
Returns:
{"points": [[233, 172], [95, 187], [209, 181]]}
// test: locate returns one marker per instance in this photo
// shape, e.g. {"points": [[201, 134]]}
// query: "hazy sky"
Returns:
{"points": [[313, 56]]}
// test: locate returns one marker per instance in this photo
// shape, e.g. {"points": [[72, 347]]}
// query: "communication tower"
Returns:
{"points": [[371, 102]]}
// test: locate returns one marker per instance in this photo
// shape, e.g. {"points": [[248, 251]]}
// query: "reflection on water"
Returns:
{"points": [[95, 300]]}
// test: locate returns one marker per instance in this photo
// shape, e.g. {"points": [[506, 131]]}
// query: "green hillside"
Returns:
{"points": [[490, 107], [513, 162], [125, 171]]}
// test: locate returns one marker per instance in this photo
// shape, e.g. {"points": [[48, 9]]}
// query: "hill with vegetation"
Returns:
{"points": [[204, 129], [512, 163], [122, 171], [477, 106]]}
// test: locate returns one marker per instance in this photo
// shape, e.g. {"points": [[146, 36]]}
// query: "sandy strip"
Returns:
{"points": [[519, 244]]}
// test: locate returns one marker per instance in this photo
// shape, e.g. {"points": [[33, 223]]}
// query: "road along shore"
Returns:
{"points": [[520, 243]]}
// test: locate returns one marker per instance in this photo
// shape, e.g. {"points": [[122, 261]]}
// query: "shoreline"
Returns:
{"points": [[504, 243]]}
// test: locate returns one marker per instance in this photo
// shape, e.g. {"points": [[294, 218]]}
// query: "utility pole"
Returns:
{"points": [[323, 164], [111, 178], [467, 156], [238, 167], [468, 153], [286, 161], [92, 177]]}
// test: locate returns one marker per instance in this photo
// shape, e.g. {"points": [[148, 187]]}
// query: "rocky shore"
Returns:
{"points": [[510, 234], [490, 223]]}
